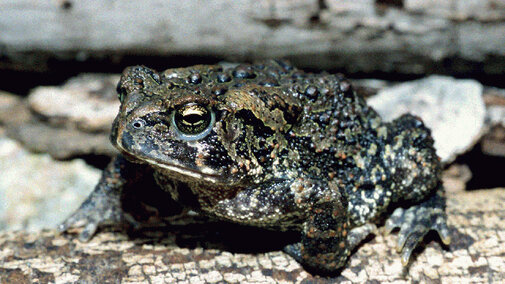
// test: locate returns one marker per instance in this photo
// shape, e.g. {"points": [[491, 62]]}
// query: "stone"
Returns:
{"points": [[65, 121], [38, 192], [453, 109], [493, 142], [87, 102]]}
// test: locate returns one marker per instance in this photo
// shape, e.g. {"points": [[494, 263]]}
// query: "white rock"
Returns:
{"points": [[38, 192], [453, 109]]}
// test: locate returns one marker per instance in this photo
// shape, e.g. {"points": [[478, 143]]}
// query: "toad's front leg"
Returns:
{"points": [[104, 205], [327, 238], [312, 207]]}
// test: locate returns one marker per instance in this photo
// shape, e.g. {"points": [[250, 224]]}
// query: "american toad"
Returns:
{"points": [[269, 145]]}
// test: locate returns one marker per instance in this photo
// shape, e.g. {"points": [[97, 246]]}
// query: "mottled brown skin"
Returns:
{"points": [[269, 145]]}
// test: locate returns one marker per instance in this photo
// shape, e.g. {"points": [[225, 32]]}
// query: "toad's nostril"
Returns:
{"points": [[138, 123]]}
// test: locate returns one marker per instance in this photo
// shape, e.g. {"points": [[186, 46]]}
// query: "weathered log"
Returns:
{"points": [[409, 36], [474, 256]]}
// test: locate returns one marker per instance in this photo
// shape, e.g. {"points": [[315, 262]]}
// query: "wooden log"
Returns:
{"points": [[474, 256], [409, 36]]}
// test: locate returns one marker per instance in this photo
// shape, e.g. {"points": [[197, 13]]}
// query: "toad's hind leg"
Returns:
{"points": [[327, 239], [416, 184], [416, 221]]}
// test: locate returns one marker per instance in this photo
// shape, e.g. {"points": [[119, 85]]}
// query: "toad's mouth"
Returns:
{"points": [[176, 169], [185, 171]]}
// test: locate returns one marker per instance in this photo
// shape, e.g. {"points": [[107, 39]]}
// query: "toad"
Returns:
{"points": [[269, 145]]}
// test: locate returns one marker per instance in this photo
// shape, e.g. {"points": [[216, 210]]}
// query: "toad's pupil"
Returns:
{"points": [[192, 119]]}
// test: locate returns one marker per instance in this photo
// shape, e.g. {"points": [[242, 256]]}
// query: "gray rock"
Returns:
{"points": [[495, 103], [493, 142], [13, 110], [453, 109], [87, 102], [7, 100], [38, 192], [61, 143], [65, 121]]}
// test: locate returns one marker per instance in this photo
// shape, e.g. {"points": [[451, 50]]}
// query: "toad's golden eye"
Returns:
{"points": [[193, 121]]}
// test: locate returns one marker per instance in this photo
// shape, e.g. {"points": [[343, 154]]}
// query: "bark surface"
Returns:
{"points": [[404, 36], [475, 255]]}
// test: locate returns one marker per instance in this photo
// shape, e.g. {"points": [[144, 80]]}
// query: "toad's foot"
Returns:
{"points": [[103, 206], [416, 221], [330, 262], [97, 210]]}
